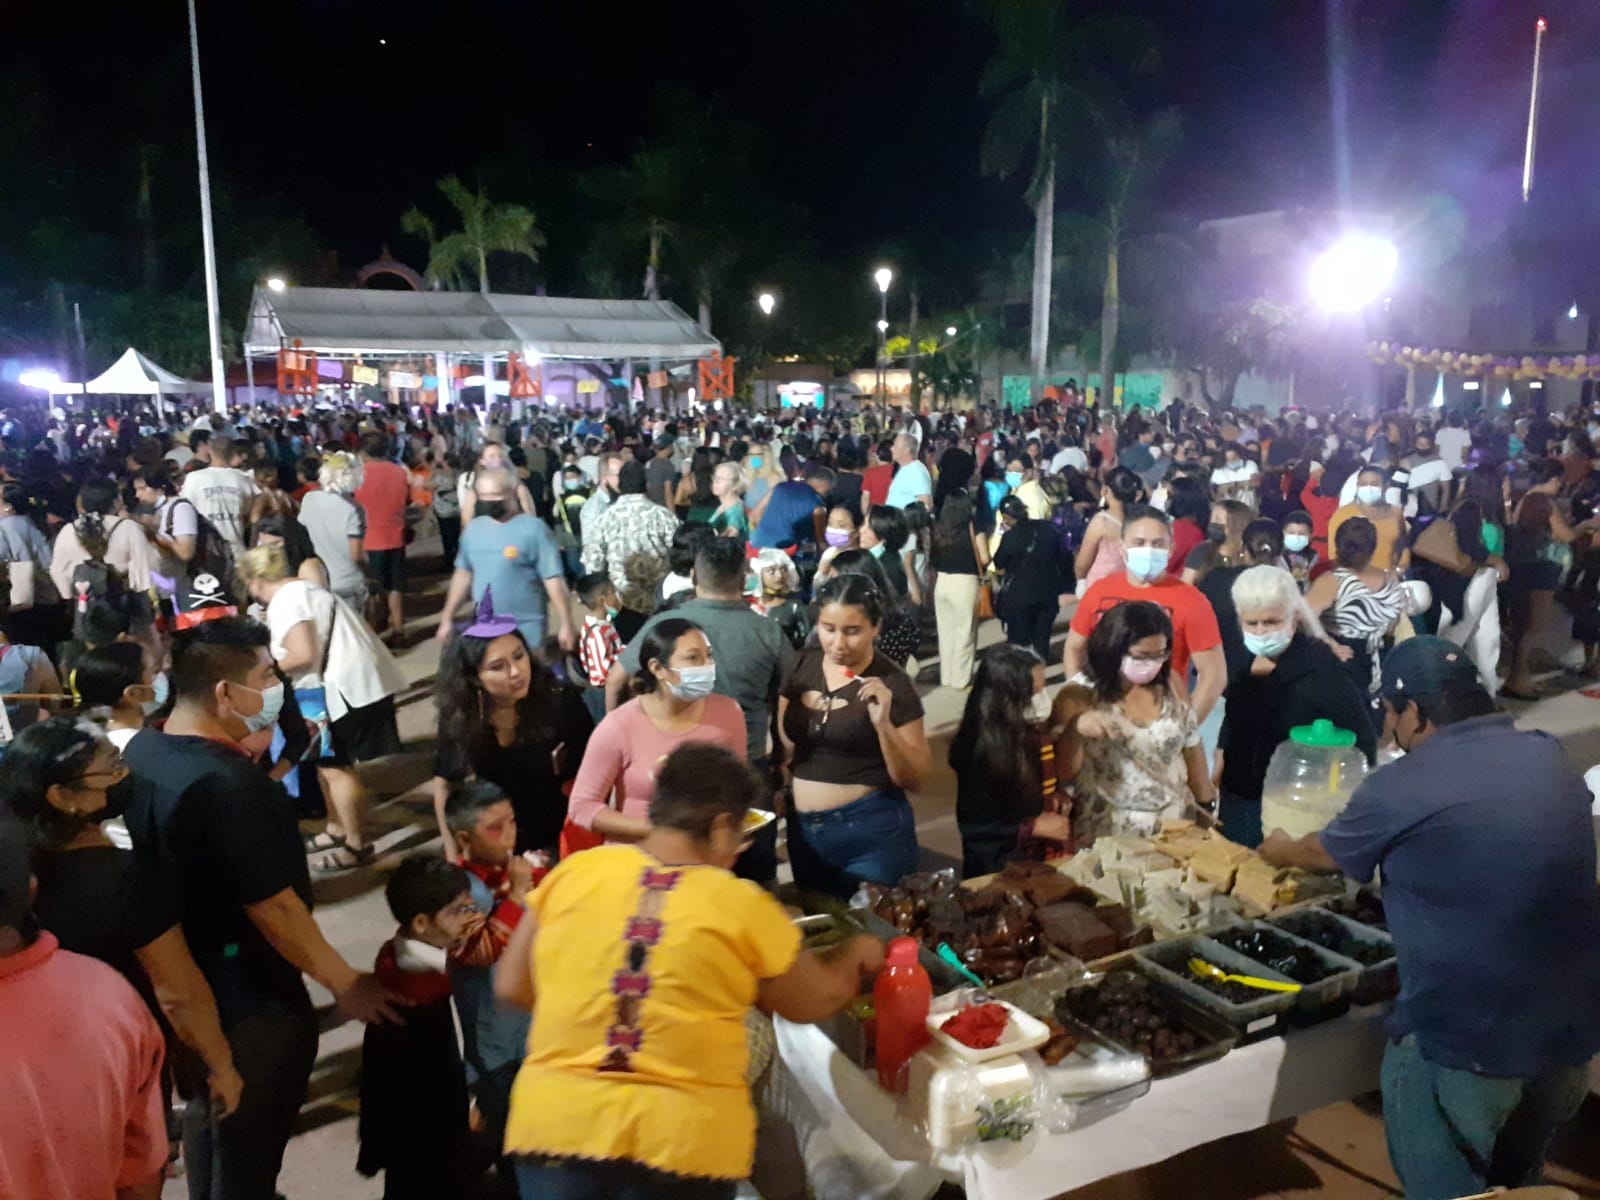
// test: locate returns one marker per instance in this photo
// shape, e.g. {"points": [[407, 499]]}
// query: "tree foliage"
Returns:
{"points": [[460, 259]]}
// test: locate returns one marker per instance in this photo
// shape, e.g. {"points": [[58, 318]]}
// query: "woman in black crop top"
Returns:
{"points": [[851, 723]]}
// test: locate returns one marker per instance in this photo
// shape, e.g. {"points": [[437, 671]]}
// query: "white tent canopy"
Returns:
{"points": [[135, 375], [350, 321]]}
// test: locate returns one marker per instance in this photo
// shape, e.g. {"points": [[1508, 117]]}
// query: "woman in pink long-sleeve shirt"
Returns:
{"points": [[673, 704]]}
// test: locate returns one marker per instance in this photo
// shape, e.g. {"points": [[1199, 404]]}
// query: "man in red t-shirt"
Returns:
{"points": [[384, 491], [1147, 545]]}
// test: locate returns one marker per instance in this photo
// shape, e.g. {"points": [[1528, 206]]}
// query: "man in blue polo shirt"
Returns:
{"points": [[795, 512], [1484, 838]]}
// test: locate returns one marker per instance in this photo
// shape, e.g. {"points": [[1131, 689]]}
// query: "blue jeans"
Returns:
{"points": [[1241, 819], [873, 838], [1455, 1133], [617, 1180]]}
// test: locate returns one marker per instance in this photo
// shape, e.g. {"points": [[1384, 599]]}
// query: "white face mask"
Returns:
{"points": [[1369, 495]]}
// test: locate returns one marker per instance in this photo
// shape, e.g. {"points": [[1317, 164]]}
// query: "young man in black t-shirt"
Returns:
{"points": [[227, 834]]}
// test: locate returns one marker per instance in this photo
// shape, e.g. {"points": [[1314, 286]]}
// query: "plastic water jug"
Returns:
{"points": [[1311, 778]]}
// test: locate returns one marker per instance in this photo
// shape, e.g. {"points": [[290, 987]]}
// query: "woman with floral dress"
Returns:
{"points": [[1142, 761]]}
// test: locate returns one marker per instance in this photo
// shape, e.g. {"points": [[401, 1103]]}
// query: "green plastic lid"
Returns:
{"points": [[1321, 732]]}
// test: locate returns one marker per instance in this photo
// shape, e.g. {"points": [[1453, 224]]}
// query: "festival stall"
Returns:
{"points": [[420, 346], [134, 375], [1117, 1042]]}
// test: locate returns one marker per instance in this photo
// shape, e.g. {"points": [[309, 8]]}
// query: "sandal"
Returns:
{"points": [[343, 858], [320, 841]]}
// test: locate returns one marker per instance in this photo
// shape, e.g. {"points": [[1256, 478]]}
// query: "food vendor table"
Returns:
{"points": [[855, 1144]]}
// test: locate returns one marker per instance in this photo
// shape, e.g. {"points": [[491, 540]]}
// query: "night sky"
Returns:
{"points": [[870, 105]]}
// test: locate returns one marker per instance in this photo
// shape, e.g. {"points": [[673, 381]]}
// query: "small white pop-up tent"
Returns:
{"points": [[135, 375]]}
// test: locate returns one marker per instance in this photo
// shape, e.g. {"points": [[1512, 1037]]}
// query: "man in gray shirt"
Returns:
{"points": [[752, 654], [661, 474]]}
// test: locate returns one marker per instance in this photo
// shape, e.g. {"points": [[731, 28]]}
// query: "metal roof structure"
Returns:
{"points": [[354, 321]]}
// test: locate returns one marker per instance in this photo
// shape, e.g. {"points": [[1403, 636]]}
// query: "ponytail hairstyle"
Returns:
{"points": [[658, 645], [98, 498]]}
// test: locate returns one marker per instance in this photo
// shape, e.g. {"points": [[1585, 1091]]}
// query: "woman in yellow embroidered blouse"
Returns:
{"points": [[639, 964]]}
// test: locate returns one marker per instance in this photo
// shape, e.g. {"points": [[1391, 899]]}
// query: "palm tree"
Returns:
{"points": [[486, 228], [1134, 158], [1047, 78]]}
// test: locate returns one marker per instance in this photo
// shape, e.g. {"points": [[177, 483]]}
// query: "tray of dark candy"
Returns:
{"points": [[1369, 947], [1325, 978], [1256, 1014], [992, 930], [1136, 1012], [1364, 908]]}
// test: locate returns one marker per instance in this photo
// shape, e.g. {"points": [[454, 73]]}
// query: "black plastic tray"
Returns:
{"points": [[1255, 1020], [1378, 981]]}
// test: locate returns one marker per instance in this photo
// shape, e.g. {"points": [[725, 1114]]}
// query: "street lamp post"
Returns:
{"points": [[883, 276], [766, 302]]}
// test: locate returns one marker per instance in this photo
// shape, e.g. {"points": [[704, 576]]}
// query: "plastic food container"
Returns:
{"points": [[1022, 1032], [1322, 996], [1098, 1067], [1255, 1019], [1216, 1036], [757, 818], [1379, 977], [944, 1093]]}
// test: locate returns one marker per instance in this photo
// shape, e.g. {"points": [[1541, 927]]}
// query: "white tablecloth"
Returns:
{"points": [[856, 1145]]}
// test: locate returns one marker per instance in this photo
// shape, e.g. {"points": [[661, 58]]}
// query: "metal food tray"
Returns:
{"points": [[1325, 993], [1255, 1020], [1377, 982], [1217, 1035]]}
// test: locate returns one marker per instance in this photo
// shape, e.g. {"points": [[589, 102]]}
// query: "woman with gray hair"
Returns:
{"points": [[1290, 678], [338, 528]]}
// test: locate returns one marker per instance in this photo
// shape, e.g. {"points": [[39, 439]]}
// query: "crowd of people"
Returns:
{"points": [[654, 629]]}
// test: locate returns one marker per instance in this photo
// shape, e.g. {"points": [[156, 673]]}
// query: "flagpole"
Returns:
{"points": [[219, 385]]}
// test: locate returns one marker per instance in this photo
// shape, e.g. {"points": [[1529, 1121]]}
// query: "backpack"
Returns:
{"points": [[95, 579], [201, 588]]}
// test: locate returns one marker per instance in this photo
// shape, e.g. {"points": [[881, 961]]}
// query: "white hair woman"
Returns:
{"points": [[727, 485], [338, 528], [1291, 678]]}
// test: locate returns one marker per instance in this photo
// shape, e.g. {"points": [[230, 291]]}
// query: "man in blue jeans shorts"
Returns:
{"points": [[1484, 839]]}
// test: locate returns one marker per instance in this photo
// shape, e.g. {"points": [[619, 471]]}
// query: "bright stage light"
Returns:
{"points": [[1353, 272], [41, 378]]}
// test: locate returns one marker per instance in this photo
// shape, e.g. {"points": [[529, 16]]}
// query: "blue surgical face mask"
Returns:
{"points": [[755, 462], [1268, 645], [1013, 479], [163, 690], [694, 683], [1295, 542], [271, 706], [877, 551], [1368, 494], [1148, 563]]}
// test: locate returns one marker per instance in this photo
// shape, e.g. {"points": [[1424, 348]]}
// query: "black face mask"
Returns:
{"points": [[1217, 533], [495, 510]]}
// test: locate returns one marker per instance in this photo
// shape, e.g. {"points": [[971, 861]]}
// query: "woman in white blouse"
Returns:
{"points": [[103, 532], [337, 665]]}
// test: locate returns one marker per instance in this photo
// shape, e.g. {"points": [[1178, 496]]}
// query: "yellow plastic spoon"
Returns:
{"points": [[1201, 967]]}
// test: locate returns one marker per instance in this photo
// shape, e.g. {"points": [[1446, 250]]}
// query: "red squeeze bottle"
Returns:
{"points": [[901, 995]]}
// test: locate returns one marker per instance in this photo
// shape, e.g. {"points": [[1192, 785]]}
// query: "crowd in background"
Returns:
{"points": [[653, 625]]}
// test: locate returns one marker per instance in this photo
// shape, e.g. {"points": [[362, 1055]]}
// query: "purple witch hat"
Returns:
{"points": [[487, 624]]}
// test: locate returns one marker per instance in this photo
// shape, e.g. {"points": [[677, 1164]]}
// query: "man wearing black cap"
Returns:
{"points": [[1484, 838]]}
